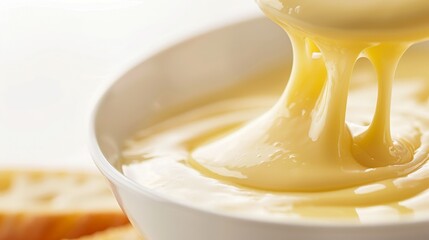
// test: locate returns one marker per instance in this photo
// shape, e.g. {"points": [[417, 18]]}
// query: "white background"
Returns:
{"points": [[55, 54]]}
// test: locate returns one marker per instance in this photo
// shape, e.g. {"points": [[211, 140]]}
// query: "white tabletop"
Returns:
{"points": [[54, 54]]}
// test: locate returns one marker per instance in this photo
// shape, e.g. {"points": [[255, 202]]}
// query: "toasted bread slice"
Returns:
{"points": [[51, 205], [118, 233]]}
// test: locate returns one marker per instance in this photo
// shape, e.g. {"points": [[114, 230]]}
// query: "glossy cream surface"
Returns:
{"points": [[328, 147], [348, 19]]}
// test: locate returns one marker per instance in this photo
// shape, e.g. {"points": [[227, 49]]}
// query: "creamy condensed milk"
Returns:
{"points": [[337, 143]]}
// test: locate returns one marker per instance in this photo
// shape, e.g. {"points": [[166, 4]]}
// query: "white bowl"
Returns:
{"points": [[190, 69]]}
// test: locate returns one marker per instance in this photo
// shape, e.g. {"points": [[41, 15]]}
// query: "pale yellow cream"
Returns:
{"points": [[300, 158], [308, 122]]}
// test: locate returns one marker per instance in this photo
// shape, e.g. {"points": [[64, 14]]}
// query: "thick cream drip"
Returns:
{"points": [[300, 158], [303, 142]]}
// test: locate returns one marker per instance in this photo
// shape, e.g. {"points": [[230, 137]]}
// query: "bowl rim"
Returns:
{"points": [[113, 175]]}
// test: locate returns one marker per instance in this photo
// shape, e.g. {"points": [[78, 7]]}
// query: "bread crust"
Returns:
{"points": [[53, 205], [119, 233]]}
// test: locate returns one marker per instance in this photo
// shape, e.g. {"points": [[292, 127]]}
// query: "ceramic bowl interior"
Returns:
{"points": [[194, 68]]}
